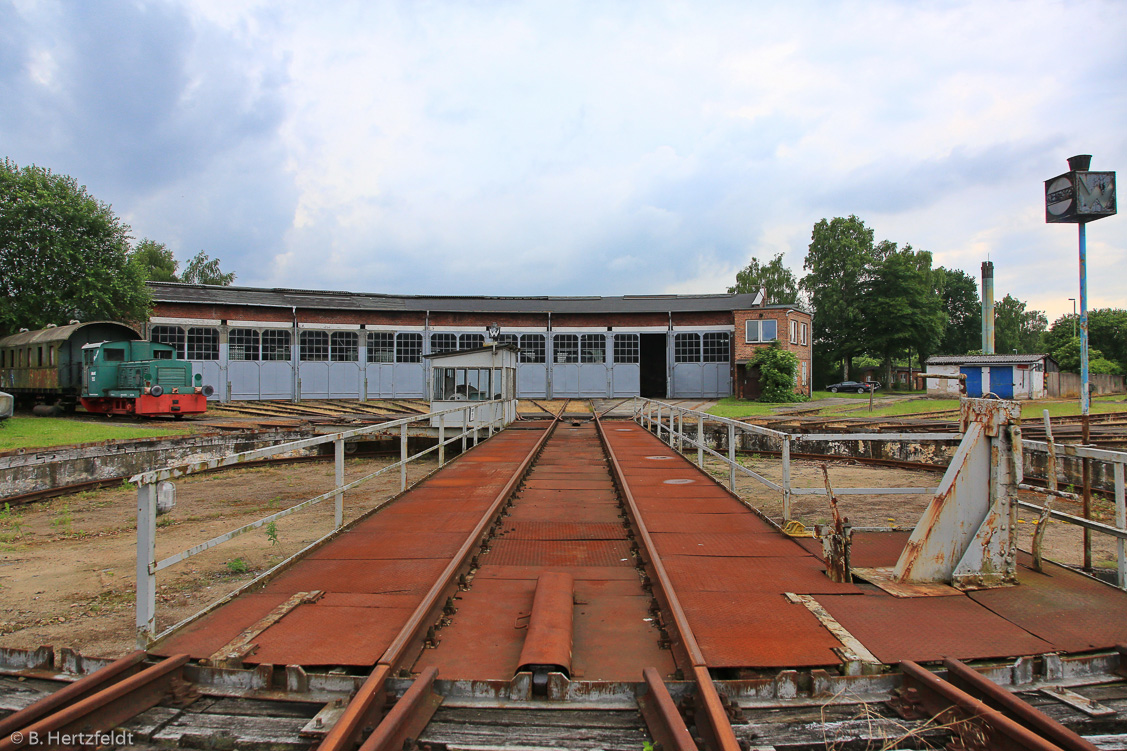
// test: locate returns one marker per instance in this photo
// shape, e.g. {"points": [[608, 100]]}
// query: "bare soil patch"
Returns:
{"points": [[67, 566]]}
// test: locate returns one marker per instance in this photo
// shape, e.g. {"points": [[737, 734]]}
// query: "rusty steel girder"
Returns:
{"points": [[967, 535]]}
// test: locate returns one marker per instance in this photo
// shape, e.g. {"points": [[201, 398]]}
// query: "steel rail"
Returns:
{"points": [[101, 710], [661, 715], [716, 728], [363, 710], [974, 718]]}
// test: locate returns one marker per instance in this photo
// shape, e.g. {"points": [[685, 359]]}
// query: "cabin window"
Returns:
{"points": [[162, 354], [408, 347], [242, 344], [171, 335], [203, 344], [717, 346], [532, 349], [686, 348], [761, 331], [566, 348], [471, 341], [381, 346], [314, 346], [626, 348], [443, 343], [345, 346], [113, 354], [276, 345]]}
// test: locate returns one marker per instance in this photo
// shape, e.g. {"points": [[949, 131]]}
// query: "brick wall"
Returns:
{"points": [[746, 382]]}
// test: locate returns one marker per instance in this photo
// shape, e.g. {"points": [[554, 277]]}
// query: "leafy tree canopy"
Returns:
{"points": [[63, 254], [900, 309], [1017, 329], [963, 308], [782, 287], [204, 270], [1068, 357], [1107, 331], [155, 262]]}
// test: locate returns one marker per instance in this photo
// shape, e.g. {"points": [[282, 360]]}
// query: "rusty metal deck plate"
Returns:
{"points": [[608, 645], [927, 629], [390, 544], [737, 523], [367, 576], [1067, 609], [802, 575], [555, 554], [726, 544], [579, 573], [869, 549], [538, 530], [330, 635], [201, 639]]}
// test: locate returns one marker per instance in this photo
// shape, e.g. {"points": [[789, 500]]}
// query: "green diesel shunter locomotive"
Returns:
{"points": [[104, 365]]}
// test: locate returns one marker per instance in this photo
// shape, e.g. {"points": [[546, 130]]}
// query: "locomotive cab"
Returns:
{"points": [[140, 378]]}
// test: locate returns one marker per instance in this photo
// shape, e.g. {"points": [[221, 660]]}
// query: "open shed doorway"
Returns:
{"points": [[653, 366]]}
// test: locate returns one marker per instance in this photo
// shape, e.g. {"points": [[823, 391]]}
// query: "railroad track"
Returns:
{"points": [[571, 575]]}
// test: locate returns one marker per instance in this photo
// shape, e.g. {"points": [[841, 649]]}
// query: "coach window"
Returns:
{"points": [[170, 335], [381, 346], [443, 343], [345, 346], [276, 345], [532, 349], [203, 344], [686, 348], [314, 346], [626, 348], [717, 346], [566, 348], [593, 348], [409, 348], [243, 344], [471, 341], [761, 331]]}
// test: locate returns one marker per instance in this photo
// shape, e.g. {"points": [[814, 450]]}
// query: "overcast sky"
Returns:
{"points": [[510, 148]]}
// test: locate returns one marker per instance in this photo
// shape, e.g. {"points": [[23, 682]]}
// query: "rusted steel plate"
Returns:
{"points": [[454, 521], [319, 635], [538, 530], [579, 573], [716, 504], [564, 513], [927, 629], [799, 574], [757, 630], [550, 625], [721, 544], [202, 638], [534, 484], [486, 633], [374, 577], [448, 502], [366, 600], [559, 553], [577, 497], [869, 550], [1067, 609], [745, 523], [615, 635], [390, 543]]}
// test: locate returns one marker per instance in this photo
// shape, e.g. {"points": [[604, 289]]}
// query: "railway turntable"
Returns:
{"points": [[578, 583]]}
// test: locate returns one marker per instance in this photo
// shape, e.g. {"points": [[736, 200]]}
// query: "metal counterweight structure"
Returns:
{"points": [[580, 583]]}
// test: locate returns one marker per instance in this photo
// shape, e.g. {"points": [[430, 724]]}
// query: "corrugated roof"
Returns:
{"points": [[61, 333], [986, 359], [168, 292]]}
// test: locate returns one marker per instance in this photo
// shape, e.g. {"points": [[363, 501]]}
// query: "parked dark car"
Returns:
{"points": [[858, 386]]}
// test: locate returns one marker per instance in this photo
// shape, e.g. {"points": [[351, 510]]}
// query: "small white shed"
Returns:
{"points": [[484, 379], [1007, 376]]}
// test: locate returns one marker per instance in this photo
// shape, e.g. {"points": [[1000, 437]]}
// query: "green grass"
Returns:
{"points": [[41, 432], [733, 407], [1104, 405]]}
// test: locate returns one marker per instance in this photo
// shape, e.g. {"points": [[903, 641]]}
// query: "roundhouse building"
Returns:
{"points": [[256, 343]]}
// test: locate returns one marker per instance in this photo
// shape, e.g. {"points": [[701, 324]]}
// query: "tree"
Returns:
{"points": [[203, 270], [777, 369], [900, 310], [1107, 332], [963, 308], [840, 260], [1017, 329], [155, 261], [1068, 357], [63, 254], [782, 287]]}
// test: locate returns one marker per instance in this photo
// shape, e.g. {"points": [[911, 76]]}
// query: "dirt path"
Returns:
{"points": [[67, 566]]}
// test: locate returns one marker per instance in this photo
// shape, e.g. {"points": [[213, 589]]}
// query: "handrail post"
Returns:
{"points": [[465, 426], [146, 563], [732, 457], [700, 441], [338, 499], [680, 431], [786, 479], [1121, 522], [403, 457], [442, 439]]}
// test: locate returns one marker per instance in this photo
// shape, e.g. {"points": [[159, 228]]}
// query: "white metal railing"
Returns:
{"points": [[669, 419], [661, 417], [148, 565]]}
